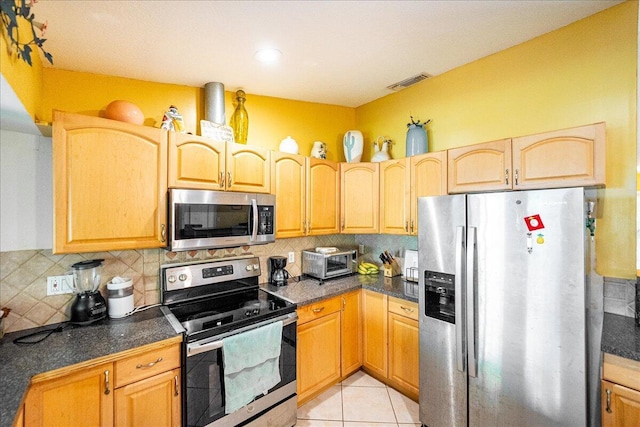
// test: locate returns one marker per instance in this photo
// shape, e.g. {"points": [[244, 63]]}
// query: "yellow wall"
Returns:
{"points": [[25, 80], [580, 74], [270, 119]]}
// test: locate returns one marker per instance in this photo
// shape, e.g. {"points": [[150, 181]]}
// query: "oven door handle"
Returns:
{"points": [[197, 347]]}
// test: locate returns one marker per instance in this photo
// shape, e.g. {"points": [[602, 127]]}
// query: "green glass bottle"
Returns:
{"points": [[240, 119]]}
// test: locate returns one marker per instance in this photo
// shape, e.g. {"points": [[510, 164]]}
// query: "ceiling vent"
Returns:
{"points": [[409, 82]]}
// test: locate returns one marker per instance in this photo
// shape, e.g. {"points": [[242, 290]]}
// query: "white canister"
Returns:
{"points": [[120, 294], [288, 145]]}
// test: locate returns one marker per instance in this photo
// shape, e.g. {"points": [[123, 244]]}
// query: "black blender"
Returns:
{"points": [[278, 275], [89, 305]]}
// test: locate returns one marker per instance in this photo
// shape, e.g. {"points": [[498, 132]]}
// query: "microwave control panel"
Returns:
{"points": [[265, 214]]}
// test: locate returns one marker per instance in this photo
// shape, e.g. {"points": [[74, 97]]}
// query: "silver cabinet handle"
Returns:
{"points": [[163, 233], [107, 386], [411, 226], [230, 182], [149, 365], [304, 227], [221, 179], [308, 226], [515, 178], [506, 176], [608, 401], [176, 386], [406, 226], [318, 310], [407, 309], [344, 303]]}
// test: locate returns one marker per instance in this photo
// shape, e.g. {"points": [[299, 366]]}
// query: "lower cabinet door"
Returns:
{"points": [[152, 402], [318, 355], [620, 405], [403, 354], [82, 398]]}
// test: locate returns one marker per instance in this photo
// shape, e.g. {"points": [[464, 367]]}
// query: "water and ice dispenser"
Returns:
{"points": [[440, 296]]}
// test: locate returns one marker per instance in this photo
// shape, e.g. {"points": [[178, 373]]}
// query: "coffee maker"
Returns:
{"points": [[278, 275], [89, 305]]}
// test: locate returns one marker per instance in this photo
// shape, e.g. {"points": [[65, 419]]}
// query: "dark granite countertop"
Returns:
{"points": [[308, 290], [620, 336], [73, 345]]}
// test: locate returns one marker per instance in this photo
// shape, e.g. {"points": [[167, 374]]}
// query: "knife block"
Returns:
{"points": [[393, 269]]}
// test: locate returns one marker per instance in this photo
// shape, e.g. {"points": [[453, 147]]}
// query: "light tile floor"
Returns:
{"points": [[359, 401]]}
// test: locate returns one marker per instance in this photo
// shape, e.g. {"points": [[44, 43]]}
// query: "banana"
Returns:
{"points": [[369, 265]]}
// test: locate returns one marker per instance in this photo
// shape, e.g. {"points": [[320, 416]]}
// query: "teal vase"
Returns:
{"points": [[416, 140]]}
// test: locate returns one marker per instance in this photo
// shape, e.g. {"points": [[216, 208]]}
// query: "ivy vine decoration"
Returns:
{"points": [[10, 11], [414, 123]]}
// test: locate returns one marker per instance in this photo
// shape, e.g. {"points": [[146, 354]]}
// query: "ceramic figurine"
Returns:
{"points": [[319, 150], [381, 153], [172, 120]]}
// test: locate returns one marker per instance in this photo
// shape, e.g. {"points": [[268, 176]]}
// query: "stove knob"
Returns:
{"points": [[256, 310], [256, 267], [247, 313], [171, 278], [182, 277], [249, 267]]}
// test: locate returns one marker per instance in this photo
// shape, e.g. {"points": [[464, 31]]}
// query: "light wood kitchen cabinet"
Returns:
{"points": [[82, 397], [395, 196], [306, 191], [288, 184], [137, 387], [154, 401], [480, 167], [323, 197], [359, 197], [620, 392], [196, 162], [402, 181], [573, 157], [428, 178], [375, 332], [351, 332], [403, 346], [106, 169], [247, 169], [318, 348]]}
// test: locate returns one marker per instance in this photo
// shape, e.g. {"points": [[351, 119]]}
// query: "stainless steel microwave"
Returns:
{"points": [[203, 219]]}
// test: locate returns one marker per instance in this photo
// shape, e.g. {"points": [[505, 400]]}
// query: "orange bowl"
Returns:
{"points": [[124, 111]]}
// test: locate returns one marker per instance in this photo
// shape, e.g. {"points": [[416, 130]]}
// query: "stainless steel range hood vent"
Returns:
{"points": [[409, 82]]}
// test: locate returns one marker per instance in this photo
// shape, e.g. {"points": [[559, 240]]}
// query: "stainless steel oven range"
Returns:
{"points": [[210, 302]]}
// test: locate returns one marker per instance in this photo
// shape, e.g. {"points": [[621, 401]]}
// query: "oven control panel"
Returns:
{"points": [[181, 276]]}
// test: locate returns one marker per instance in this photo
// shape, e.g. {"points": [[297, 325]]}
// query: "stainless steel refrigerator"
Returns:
{"points": [[509, 328]]}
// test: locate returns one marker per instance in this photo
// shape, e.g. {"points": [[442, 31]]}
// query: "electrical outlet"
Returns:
{"points": [[57, 285], [361, 249], [292, 257]]}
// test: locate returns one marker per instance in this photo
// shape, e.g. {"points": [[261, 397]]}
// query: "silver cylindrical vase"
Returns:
{"points": [[214, 103]]}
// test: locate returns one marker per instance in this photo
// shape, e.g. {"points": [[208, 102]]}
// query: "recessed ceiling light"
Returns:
{"points": [[268, 55]]}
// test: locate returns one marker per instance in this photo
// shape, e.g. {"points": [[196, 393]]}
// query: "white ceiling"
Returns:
{"points": [[334, 52]]}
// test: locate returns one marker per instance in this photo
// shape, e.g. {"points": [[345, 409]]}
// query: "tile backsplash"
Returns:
{"points": [[23, 274]]}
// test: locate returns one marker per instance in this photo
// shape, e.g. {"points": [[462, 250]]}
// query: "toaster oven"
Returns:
{"points": [[327, 263]]}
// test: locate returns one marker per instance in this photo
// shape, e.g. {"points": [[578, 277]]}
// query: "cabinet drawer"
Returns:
{"points": [[403, 308], [319, 309], [620, 370], [147, 364]]}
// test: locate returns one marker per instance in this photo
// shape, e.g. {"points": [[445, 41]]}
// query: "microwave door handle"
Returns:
{"points": [[254, 212]]}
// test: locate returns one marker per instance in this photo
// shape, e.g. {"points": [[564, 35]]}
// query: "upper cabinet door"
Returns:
{"points": [[359, 197], [247, 169], [288, 183], [196, 162], [323, 197], [428, 178], [566, 158], [395, 196], [110, 185], [480, 167]]}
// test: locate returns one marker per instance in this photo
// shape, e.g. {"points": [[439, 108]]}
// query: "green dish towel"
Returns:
{"points": [[251, 364]]}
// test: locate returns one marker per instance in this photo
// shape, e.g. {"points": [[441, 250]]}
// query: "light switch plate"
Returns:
{"points": [[292, 257]]}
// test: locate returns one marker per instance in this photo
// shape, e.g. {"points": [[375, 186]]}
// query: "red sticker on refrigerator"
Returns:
{"points": [[534, 222]]}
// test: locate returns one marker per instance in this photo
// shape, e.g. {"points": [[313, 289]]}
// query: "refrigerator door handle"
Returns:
{"points": [[471, 306], [459, 300]]}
